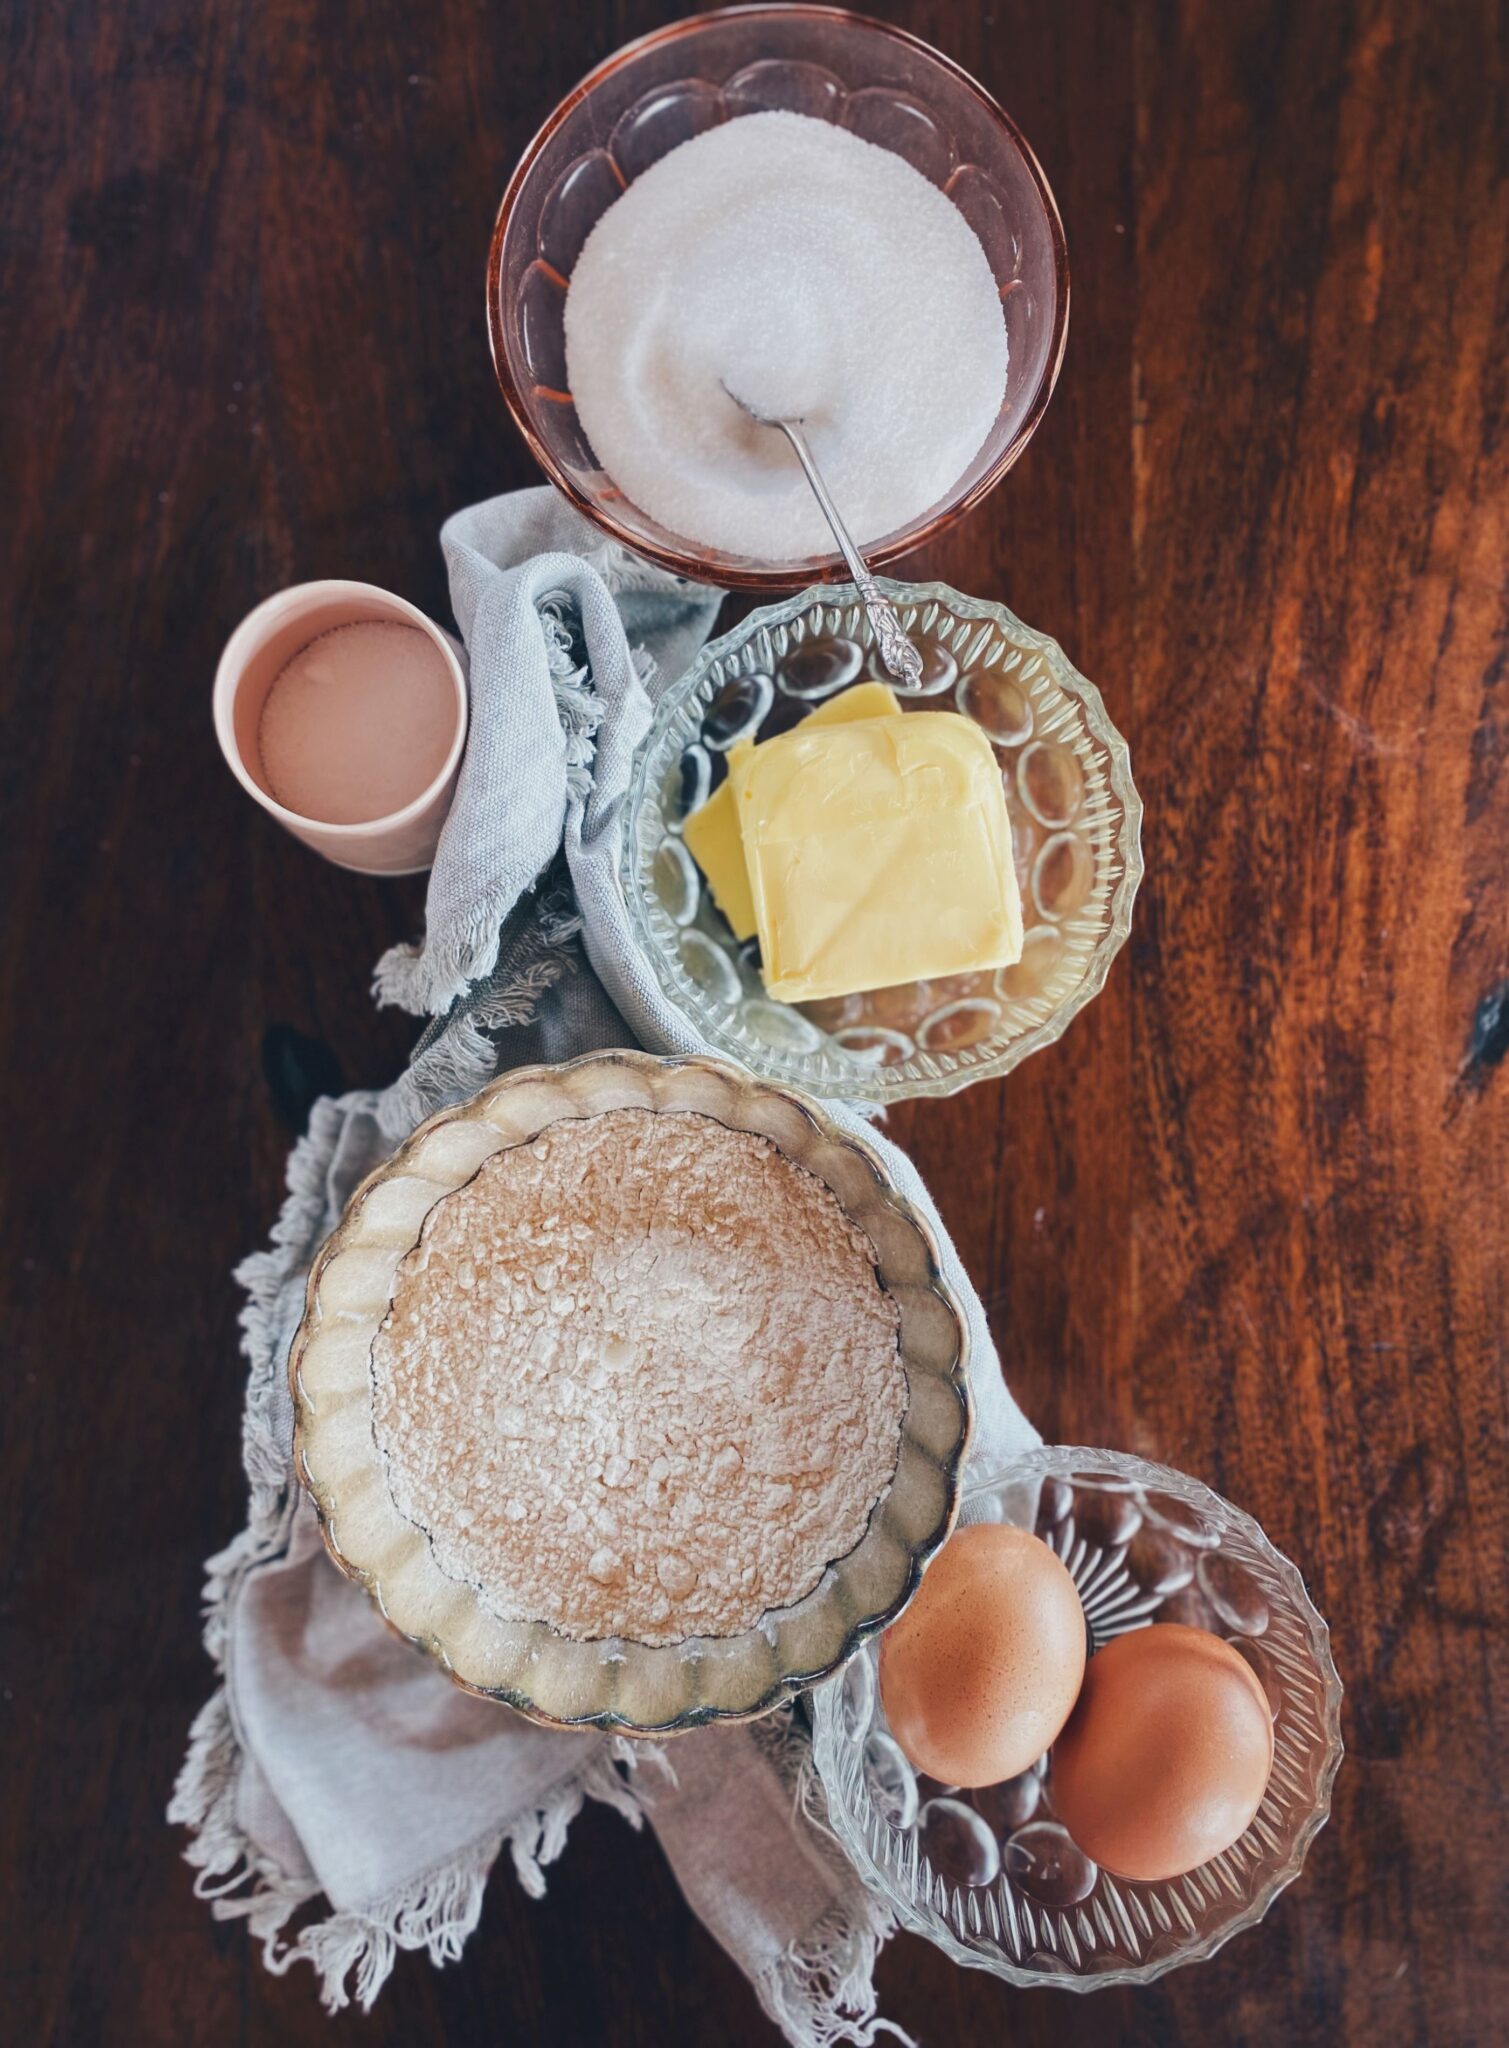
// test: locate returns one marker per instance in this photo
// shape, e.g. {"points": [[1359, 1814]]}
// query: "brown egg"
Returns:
{"points": [[979, 1674], [1166, 1757]]}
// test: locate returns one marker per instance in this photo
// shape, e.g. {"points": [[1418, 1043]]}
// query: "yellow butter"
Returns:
{"points": [[860, 700], [712, 832], [877, 853], [712, 839]]}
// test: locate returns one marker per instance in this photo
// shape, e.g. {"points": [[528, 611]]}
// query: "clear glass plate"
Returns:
{"points": [[991, 1876], [1076, 822]]}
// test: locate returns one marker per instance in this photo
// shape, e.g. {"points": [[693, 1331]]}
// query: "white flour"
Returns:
{"points": [[819, 276], [639, 1378]]}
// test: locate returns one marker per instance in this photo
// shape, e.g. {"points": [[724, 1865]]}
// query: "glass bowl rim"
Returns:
{"points": [[690, 561], [869, 1085], [827, 1732]]}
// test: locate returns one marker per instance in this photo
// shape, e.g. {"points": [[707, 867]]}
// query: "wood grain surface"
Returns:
{"points": [[1248, 1217]]}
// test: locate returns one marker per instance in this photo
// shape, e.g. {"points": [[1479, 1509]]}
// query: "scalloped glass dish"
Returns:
{"points": [[1018, 1898], [1076, 822], [613, 1683]]}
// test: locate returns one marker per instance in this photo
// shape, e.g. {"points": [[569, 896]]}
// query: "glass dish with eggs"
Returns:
{"points": [[1101, 1739]]}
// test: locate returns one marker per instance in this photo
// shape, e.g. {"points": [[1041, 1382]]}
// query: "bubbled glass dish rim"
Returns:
{"points": [[925, 1074], [530, 1666], [684, 556], [834, 1744]]}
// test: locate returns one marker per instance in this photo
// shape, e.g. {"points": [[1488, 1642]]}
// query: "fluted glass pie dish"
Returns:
{"points": [[1076, 822], [614, 1683], [1004, 1888]]}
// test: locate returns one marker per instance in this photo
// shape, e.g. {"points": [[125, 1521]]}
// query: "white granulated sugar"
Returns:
{"points": [[639, 1379], [814, 273]]}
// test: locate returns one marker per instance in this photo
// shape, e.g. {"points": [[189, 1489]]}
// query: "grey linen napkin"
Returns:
{"points": [[333, 1760]]}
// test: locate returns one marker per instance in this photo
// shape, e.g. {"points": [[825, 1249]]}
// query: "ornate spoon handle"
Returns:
{"points": [[897, 652]]}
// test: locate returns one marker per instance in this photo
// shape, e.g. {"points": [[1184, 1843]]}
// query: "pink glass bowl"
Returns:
{"points": [[875, 80]]}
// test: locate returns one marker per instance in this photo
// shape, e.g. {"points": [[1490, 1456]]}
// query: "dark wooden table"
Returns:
{"points": [[1250, 1215]]}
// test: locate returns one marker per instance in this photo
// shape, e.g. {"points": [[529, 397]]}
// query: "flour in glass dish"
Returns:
{"points": [[640, 1379], [819, 276]]}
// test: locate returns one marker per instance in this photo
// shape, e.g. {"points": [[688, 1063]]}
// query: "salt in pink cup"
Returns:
{"points": [[401, 843]]}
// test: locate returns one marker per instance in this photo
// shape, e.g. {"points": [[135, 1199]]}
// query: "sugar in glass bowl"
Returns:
{"points": [[992, 1877], [875, 80], [1076, 822]]}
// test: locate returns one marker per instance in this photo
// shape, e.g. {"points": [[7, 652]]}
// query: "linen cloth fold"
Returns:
{"points": [[333, 1761]]}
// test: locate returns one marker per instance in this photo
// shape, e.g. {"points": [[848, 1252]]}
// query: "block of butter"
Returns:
{"points": [[877, 853], [711, 833]]}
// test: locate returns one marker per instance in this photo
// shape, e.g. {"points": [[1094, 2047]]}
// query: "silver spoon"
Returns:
{"points": [[896, 650]]}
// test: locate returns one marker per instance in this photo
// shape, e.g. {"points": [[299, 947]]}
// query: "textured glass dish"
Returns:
{"points": [[877, 81], [612, 1683], [991, 1876], [1076, 822]]}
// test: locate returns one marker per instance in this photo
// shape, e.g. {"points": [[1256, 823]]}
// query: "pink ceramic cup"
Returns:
{"points": [[267, 639]]}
